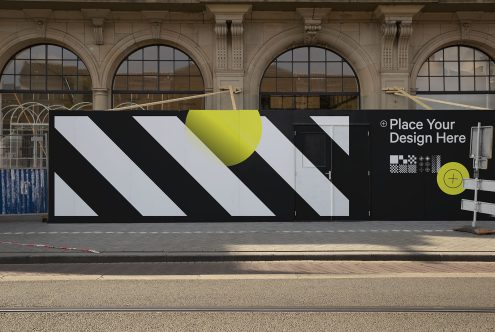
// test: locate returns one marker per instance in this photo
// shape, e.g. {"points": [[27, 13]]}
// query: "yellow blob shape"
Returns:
{"points": [[231, 135], [450, 176]]}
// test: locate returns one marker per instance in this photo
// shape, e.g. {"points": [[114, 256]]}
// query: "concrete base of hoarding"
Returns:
{"points": [[22, 217]]}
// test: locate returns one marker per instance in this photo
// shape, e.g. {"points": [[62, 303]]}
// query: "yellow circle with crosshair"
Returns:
{"points": [[450, 176]]}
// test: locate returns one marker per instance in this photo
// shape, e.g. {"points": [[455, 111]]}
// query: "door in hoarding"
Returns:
{"points": [[332, 170]]}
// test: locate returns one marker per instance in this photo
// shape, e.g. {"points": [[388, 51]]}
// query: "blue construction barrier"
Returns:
{"points": [[23, 191]]}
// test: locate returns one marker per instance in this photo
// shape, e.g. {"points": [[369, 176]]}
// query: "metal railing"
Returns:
{"points": [[24, 150], [24, 134]]}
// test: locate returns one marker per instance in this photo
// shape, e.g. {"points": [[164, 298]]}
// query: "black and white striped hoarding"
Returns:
{"points": [[140, 166]]}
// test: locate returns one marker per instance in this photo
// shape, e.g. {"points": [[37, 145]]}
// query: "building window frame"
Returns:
{"points": [[451, 77], [11, 70], [323, 57], [152, 66]]}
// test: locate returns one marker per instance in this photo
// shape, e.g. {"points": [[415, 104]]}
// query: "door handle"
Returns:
{"points": [[329, 174]]}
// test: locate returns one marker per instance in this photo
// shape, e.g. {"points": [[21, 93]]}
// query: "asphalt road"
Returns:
{"points": [[246, 322], [375, 297]]}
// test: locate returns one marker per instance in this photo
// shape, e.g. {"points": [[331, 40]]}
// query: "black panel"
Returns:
{"points": [[314, 147], [405, 195]]}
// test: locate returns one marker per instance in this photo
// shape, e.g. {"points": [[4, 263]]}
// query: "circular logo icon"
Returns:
{"points": [[450, 176]]}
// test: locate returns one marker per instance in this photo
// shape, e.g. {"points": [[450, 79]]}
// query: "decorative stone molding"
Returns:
{"points": [[465, 30], [97, 17], [234, 15], [221, 45], [237, 31], [389, 31], [396, 26], [40, 16], [155, 18], [41, 25], [98, 30], [465, 22], [156, 27], [312, 22], [405, 31]]}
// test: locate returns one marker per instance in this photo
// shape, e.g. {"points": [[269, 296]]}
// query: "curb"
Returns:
{"points": [[209, 257]]}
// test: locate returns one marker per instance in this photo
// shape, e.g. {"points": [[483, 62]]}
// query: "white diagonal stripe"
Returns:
{"points": [[68, 203], [216, 178], [337, 127], [116, 166], [307, 181]]}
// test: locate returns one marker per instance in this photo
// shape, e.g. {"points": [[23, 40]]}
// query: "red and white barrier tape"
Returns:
{"points": [[48, 246]]}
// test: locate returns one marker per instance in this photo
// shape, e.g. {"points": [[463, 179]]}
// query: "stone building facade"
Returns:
{"points": [[233, 42]]}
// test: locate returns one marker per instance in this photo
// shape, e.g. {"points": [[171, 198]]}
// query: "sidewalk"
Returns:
{"points": [[37, 242]]}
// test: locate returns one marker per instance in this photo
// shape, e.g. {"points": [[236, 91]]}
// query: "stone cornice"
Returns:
{"points": [[37, 13], [229, 12], [397, 12]]}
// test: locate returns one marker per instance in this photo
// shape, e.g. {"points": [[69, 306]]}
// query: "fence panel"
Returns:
{"points": [[23, 173], [23, 150], [23, 191]]}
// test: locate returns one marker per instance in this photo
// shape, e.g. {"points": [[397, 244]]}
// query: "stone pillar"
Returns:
{"points": [[101, 100], [396, 22], [229, 51]]}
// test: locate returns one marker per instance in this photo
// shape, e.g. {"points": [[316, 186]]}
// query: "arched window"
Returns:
{"points": [[47, 74], [459, 74], [156, 73], [309, 78]]}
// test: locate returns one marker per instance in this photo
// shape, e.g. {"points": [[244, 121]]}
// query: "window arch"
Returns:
{"points": [[156, 73], [460, 74], [48, 74], [309, 78]]}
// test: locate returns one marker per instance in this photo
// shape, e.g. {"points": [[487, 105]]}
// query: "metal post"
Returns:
{"points": [[232, 98], [48, 175], [230, 90], [403, 93], [35, 151], [476, 174], [418, 100]]}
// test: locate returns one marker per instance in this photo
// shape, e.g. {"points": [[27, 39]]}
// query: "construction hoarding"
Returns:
{"points": [[231, 165]]}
